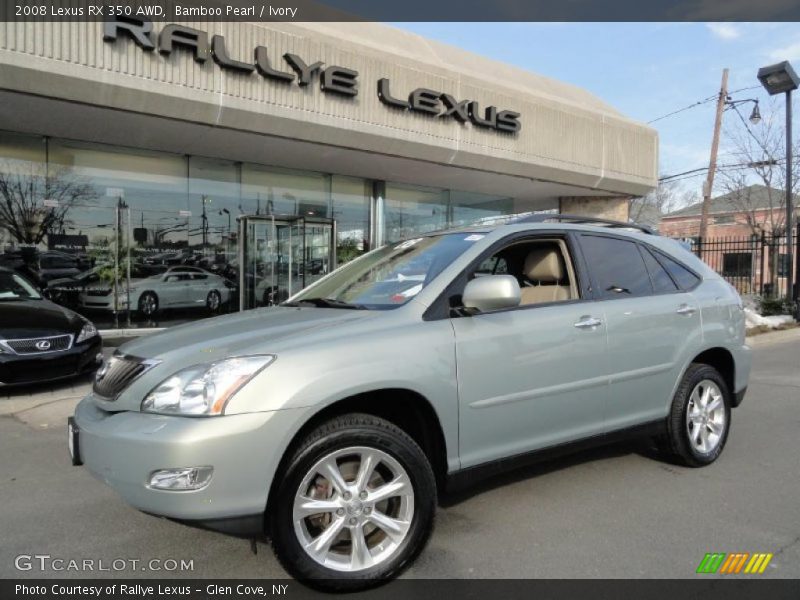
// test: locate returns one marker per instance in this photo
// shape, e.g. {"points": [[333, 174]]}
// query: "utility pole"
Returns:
{"points": [[712, 163]]}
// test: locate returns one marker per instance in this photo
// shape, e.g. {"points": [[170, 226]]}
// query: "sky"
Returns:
{"points": [[644, 70]]}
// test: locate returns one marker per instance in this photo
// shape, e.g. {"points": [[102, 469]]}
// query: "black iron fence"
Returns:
{"points": [[757, 264]]}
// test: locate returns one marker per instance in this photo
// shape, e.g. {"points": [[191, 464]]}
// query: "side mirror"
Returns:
{"points": [[492, 292]]}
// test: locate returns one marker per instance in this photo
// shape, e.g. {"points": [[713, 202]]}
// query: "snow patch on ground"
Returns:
{"points": [[753, 320]]}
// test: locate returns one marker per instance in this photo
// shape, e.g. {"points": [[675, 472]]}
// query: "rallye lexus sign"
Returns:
{"points": [[296, 70]]}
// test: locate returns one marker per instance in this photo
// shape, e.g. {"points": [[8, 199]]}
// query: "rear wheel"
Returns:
{"points": [[354, 506], [699, 421], [148, 304], [213, 301]]}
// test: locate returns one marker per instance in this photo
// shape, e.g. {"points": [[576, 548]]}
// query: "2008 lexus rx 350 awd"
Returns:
{"points": [[331, 422]]}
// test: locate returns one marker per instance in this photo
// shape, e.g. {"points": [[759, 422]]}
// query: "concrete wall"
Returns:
{"points": [[567, 137], [616, 208]]}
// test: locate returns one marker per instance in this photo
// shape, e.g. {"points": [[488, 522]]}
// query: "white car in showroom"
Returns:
{"points": [[177, 287]]}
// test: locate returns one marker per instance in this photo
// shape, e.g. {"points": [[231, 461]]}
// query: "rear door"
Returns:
{"points": [[649, 320], [174, 289], [199, 289]]}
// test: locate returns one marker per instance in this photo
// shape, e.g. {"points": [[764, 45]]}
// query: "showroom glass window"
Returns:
{"points": [[213, 203], [350, 204], [273, 191], [468, 208], [409, 211], [23, 181], [153, 186]]}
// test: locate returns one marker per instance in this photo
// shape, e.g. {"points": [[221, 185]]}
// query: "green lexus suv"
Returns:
{"points": [[331, 423]]}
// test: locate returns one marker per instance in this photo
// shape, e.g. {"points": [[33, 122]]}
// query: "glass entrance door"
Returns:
{"points": [[279, 256]]}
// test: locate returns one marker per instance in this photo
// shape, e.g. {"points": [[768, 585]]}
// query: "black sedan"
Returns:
{"points": [[39, 340]]}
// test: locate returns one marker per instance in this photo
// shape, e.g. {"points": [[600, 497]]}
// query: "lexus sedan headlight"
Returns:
{"points": [[204, 389], [88, 331]]}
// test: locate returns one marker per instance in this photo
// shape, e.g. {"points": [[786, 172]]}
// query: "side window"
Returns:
{"points": [[542, 266], [196, 276], [616, 266], [685, 279], [662, 282], [496, 265]]}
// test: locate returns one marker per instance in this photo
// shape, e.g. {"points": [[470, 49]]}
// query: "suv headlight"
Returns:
{"points": [[204, 389], [88, 331]]}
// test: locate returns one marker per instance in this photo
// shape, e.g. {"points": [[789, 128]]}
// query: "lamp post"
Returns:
{"points": [[777, 79]]}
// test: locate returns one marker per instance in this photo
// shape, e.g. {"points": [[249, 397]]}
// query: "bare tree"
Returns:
{"points": [[666, 197], [759, 153], [761, 149], [23, 189]]}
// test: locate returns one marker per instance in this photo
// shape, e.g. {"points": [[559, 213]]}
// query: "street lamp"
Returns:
{"points": [[777, 79], [755, 116]]}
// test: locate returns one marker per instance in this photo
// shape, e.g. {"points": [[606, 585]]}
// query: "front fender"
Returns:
{"points": [[419, 357]]}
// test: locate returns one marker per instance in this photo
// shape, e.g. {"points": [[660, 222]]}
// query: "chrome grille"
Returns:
{"points": [[40, 345], [117, 374]]}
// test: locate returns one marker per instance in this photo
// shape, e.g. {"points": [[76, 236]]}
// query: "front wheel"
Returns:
{"points": [[148, 304], [700, 418], [355, 504]]}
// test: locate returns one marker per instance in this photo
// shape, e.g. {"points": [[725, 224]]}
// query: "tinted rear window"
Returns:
{"points": [[685, 279], [616, 266], [662, 282]]}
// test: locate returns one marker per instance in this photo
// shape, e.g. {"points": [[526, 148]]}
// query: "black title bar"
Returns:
{"points": [[402, 10]]}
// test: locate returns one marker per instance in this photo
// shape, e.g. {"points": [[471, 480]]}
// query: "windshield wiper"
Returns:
{"points": [[325, 303]]}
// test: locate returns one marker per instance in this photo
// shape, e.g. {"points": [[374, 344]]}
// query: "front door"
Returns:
{"points": [[533, 376]]}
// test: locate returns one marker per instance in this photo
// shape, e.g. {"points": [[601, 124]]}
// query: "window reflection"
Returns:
{"points": [[179, 211]]}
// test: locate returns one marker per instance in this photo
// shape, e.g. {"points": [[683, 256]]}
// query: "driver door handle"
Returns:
{"points": [[588, 322], [685, 309]]}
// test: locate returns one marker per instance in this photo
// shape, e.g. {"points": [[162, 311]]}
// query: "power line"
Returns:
{"points": [[729, 167], [701, 102]]}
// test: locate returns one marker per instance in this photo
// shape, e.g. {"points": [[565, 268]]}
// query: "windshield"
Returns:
{"points": [[388, 277], [14, 287]]}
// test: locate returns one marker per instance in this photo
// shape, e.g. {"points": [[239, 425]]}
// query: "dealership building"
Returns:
{"points": [[189, 126]]}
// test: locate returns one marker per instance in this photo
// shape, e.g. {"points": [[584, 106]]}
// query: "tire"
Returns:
{"points": [[696, 434], [213, 301], [148, 304], [347, 442]]}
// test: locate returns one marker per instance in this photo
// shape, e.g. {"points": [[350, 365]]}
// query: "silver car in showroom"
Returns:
{"points": [[177, 287], [331, 423]]}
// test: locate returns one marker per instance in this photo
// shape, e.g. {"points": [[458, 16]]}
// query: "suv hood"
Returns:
{"points": [[252, 331], [256, 331]]}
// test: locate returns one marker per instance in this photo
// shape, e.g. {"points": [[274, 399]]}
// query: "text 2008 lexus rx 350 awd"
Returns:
{"points": [[331, 422]]}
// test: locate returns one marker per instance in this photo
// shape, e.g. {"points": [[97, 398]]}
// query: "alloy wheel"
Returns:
{"points": [[705, 417], [148, 304], [213, 300], [353, 509]]}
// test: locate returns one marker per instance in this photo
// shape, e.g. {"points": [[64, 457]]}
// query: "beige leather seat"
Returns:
{"points": [[544, 271]]}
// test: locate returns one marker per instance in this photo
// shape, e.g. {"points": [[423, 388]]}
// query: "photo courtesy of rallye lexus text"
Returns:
{"points": [[333, 421], [40, 340]]}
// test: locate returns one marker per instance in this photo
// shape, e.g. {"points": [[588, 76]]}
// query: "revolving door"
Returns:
{"points": [[280, 255]]}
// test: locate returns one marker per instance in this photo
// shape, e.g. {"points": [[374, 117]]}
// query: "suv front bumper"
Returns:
{"points": [[123, 449]]}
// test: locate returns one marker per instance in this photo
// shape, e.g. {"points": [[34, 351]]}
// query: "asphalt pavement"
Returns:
{"points": [[615, 512]]}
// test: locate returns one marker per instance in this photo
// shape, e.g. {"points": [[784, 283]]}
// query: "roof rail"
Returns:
{"points": [[543, 217]]}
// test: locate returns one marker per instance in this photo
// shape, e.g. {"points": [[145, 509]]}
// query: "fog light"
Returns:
{"points": [[188, 478]]}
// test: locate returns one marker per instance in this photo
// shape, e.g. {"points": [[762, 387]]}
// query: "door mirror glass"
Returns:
{"points": [[492, 292]]}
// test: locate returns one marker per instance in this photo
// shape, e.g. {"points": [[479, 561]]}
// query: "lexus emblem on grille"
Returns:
{"points": [[43, 345]]}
